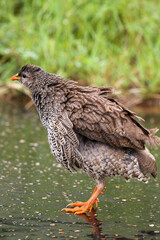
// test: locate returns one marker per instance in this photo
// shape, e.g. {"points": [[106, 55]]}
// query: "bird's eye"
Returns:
{"points": [[24, 75]]}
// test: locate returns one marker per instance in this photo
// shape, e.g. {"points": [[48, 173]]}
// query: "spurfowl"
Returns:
{"points": [[90, 130]]}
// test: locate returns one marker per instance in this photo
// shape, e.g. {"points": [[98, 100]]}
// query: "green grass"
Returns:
{"points": [[113, 42]]}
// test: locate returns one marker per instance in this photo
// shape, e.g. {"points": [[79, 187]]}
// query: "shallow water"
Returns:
{"points": [[34, 188]]}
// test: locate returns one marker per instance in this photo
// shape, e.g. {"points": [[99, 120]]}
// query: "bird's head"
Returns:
{"points": [[30, 76]]}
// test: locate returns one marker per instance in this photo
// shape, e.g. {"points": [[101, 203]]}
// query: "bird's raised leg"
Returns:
{"points": [[80, 207]]}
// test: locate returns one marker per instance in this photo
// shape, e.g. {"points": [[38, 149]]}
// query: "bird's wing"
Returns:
{"points": [[100, 118], [63, 140]]}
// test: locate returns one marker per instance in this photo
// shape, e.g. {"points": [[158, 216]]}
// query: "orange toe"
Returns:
{"points": [[79, 207], [83, 207], [76, 204]]}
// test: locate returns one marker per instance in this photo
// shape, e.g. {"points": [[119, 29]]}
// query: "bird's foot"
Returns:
{"points": [[81, 207], [79, 204]]}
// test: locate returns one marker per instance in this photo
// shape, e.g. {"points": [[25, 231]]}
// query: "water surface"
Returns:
{"points": [[34, 188]]}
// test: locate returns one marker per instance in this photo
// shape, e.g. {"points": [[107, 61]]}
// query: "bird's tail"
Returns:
{"points": [[153, 140], [147, 162]]}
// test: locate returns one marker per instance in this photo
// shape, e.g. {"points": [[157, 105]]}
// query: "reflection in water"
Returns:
{"points": [[96, 224], [91, 218]]}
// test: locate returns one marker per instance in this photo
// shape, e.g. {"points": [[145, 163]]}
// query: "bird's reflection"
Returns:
{"points": [[91, 218]]}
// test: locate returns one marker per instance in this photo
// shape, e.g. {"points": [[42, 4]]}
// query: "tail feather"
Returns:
{"points": [[147, 162], [153, 140], [153, 130]]}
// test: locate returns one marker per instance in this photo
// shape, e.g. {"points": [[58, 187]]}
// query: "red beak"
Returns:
{"points": [[15, 77]]}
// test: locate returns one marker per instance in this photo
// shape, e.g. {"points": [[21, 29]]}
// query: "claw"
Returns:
{"points": [[79, 204], [79, 210], [83, 207], [79, 207]]}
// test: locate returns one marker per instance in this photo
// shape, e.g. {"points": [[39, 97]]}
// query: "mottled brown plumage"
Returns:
{"points": [[103, 119], [88, 129]]}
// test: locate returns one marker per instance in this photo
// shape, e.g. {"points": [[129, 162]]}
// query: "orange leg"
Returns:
{"points": [[80, 207]]}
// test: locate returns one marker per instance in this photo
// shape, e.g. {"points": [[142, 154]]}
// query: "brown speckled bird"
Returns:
{"points": [[88, 129]]}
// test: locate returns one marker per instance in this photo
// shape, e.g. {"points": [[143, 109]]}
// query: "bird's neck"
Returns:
{"points": [[48, 100]]}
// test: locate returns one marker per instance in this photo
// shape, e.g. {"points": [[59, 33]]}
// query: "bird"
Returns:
{"points": [[89, 129]]}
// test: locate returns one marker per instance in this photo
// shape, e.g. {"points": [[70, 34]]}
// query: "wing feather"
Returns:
{"points": [[104, 119]]}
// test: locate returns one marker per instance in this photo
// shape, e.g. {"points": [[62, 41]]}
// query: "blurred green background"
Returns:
{"points": [[99, 42]]}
